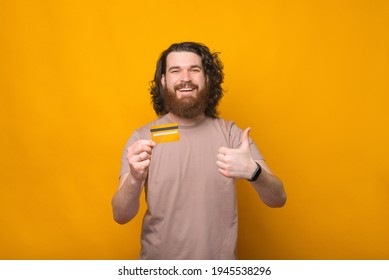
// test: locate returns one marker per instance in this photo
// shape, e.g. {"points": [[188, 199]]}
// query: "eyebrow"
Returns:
{"points": [[191, 67]]}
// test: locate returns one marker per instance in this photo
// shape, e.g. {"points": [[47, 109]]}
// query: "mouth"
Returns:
{"points": [[187, 89]]}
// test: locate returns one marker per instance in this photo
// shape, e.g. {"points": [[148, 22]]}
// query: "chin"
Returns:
{"points": [[187, 98]]}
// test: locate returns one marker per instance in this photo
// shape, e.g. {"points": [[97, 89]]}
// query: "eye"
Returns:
{"points": [[196, 70]]}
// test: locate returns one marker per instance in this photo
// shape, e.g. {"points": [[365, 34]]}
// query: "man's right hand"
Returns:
{"points": [[139, 158]]}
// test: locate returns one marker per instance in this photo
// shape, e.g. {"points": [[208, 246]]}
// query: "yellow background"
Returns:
{"points": [[309, 77]]}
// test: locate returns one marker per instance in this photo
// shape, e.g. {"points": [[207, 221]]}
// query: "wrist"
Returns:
{"points": [[256, 173], [135, 181]]}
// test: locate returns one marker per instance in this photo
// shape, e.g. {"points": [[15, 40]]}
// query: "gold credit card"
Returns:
{"points": [[165, 133]]}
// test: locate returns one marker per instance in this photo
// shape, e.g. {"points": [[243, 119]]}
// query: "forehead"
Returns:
{"points": [[182, 59]]}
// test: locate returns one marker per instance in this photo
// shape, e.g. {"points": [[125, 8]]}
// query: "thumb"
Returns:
{"points": [[245, 139]]}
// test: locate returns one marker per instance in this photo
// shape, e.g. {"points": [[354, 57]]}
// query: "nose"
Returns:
{"points": [[185, 76]]}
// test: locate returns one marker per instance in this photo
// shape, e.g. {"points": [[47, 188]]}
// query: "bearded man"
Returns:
{"points": [[189, 180]]}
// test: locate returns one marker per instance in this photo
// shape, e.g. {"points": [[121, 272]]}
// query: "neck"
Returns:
{"points": [[184, 121]]}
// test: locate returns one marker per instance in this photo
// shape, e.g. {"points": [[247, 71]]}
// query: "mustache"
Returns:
{"points": [[185, 85]]}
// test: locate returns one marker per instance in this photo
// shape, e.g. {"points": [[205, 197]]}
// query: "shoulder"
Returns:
{"points": [[143, 132], [232, 133], [222, 123], [228, 127]]}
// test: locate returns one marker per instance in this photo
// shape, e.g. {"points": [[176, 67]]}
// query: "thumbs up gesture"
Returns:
{"points": [[237, 163]]}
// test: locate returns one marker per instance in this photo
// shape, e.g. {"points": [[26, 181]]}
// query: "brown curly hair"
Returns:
{"points": [[213, 69]]}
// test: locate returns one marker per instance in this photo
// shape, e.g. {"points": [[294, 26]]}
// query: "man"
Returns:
{"points": [[190, 183]]}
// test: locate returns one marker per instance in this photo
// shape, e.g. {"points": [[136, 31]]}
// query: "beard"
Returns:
{"points": [[187, 107]]}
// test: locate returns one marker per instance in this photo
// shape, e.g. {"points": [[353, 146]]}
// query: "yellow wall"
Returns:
{"points": [[310, 78]]}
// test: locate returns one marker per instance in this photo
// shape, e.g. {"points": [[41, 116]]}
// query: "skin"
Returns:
{"points": [[182, 67], [239, 164]]}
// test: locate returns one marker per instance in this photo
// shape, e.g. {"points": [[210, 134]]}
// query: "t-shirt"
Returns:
{"points": [[191, 207]]}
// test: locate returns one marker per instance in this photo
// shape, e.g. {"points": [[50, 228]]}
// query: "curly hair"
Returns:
{"points": [[213, 69]]}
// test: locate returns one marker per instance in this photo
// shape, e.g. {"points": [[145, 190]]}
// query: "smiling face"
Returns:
{"points": [[185, 85], [184, 74]]}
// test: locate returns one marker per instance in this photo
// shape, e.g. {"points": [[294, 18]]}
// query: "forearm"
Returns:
{"points": [[125, 202], [270, 189]]}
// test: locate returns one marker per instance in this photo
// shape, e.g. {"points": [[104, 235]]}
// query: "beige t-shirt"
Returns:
{"points": [[191, 207]]}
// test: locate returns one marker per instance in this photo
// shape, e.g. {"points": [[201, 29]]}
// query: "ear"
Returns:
{"points": [[163, 80]]}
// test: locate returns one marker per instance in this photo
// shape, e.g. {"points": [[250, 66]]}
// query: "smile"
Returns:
{"points": [[186, 89]]}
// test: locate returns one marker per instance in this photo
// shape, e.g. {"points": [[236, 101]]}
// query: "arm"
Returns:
{"points": [[125, 202], [269, 188], [238, 163]]}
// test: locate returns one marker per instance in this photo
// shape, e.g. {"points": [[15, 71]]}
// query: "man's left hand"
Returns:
{"points": [[237, 163]]}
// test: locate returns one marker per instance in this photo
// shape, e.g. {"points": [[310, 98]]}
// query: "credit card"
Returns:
{"points": [[165, 133]]}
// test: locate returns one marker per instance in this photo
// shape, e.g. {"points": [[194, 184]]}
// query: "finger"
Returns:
{"points": [[150, 143], [245, 139], [221, 157], [223, 150], [145, 164], [135, 149], [146, 149], [221, 165], [146, 146], [141, 166], [143, 156], [224, 173], [141, 146], [132, 159]]}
